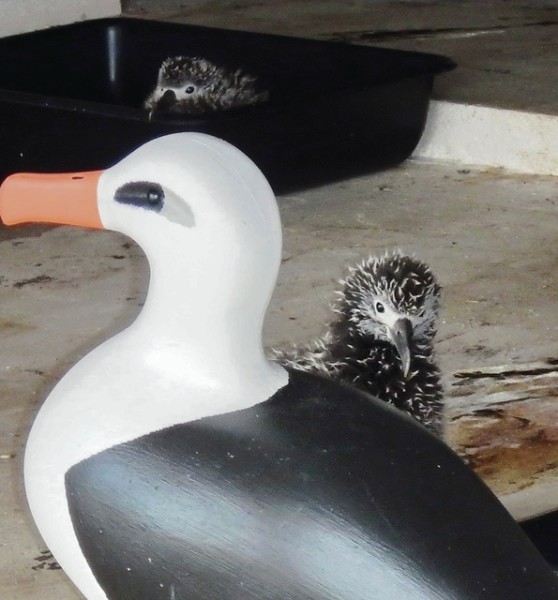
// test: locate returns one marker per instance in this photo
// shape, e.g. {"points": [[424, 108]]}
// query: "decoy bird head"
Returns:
{"points": [[202, 212], [394, 299]]}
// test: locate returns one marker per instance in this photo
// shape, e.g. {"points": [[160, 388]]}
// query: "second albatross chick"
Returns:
{"points": [[381, 339], [190, 85]]}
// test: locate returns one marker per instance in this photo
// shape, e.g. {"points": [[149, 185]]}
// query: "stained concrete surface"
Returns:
{"points": [[489, 236]]}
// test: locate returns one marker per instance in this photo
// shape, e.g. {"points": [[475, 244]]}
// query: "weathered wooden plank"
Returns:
{"points": [[503, 421]]}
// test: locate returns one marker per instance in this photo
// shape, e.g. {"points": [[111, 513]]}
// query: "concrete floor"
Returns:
{"points": [[489, 236]]}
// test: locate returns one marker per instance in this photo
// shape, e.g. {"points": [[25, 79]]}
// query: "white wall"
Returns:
{"points": [[491, 137], [19, 16]]}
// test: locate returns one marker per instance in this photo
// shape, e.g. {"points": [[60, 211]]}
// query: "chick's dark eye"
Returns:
{"points": [[380, 307], [190, 89]]}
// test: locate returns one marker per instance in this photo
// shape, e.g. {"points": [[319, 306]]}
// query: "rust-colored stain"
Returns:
{"points": [[504, 423]]}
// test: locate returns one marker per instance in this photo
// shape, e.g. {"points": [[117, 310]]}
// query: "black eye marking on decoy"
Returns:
{"points": [[141, 193]]}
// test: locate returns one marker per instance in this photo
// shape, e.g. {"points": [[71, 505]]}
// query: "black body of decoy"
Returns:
{"points": [[315, 494]]}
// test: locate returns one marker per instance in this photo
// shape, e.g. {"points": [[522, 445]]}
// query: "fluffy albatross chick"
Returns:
{"points": [[194, 86], [381, 338]]}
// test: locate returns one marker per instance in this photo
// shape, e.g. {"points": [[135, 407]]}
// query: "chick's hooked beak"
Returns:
{"points": [[61, 198], [164, 103], [400, 334]]}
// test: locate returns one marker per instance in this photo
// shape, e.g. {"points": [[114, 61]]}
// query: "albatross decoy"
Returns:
{"points": [[175, 461], [381, 338]]}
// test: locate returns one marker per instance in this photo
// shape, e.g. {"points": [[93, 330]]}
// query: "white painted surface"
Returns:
{"points": [[20, 16], [491, 137], [196, 350]]}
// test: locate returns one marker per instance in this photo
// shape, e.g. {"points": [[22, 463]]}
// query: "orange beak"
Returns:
{"points": [[63, 198]]}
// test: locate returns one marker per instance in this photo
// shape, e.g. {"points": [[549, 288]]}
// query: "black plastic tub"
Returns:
{"points": [[71, 99]]}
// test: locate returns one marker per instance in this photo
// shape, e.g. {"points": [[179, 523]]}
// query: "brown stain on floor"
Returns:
{"points": [[39, 279], [12, 326], [505, 425]]}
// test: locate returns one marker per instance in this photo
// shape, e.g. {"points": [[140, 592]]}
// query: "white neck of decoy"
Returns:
{"points": [[214, 253], [210, 310]]}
